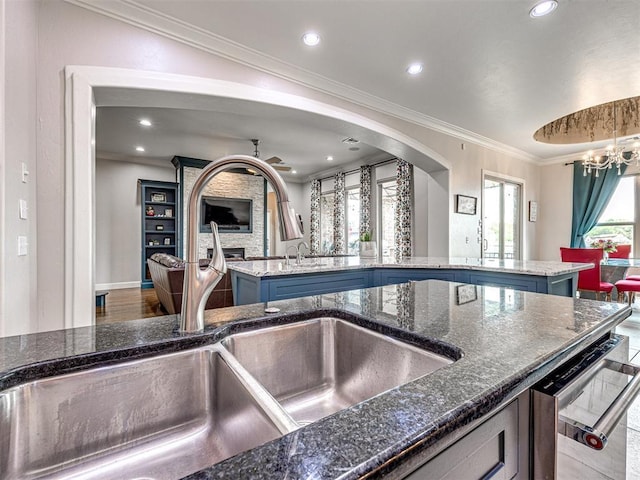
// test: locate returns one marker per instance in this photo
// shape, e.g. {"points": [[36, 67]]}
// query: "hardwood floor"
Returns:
{"points": [[129, 304]]}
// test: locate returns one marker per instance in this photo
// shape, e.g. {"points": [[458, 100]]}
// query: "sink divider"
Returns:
{"points": [[278, 415]]}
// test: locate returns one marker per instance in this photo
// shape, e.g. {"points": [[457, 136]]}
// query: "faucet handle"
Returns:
{"points": [[217, 262]]}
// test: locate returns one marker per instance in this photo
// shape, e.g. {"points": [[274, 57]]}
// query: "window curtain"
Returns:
{"points": [[404, 200], [314, 220], [590, 197], [365, 199], [338, 214], [405, 304]]}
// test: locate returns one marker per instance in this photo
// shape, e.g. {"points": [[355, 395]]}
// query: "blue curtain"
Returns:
{"points": [[590, 197]]}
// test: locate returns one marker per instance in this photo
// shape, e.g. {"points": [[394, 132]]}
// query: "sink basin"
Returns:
{"points": [[304, 264], [318, 367], [168, 416], [163, 417], [311, 264]]}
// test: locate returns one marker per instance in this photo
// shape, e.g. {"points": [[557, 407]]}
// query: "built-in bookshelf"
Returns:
{"points": [[159, 222]]}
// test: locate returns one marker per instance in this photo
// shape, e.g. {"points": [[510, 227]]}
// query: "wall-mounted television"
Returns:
{"points": [[233, 215]]}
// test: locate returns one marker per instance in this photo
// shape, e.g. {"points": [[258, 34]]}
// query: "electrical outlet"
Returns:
{"points": [[23, 245]]}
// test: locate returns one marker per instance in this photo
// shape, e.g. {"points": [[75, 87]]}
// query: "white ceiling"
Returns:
{"points": [[491, 72]]}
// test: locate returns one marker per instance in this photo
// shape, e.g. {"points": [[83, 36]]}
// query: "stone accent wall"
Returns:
{"points": [[231, 185]]}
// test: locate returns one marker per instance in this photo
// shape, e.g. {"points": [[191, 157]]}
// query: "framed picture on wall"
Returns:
{"points": [[466, 205]]}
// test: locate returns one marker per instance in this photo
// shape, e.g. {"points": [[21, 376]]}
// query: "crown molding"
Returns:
{"points": [[132, 13]]}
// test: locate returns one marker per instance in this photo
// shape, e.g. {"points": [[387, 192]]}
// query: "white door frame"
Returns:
{"points": [[80, 107]]}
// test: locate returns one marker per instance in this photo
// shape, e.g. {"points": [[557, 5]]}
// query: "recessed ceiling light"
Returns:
{"points": [[543, 8], [294, 172], [311, 39], [329, 158], [414, 68], [145, 123], [139, 149]]}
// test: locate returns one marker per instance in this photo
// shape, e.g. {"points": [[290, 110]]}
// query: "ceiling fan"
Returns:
{"points": [[275, 162]]}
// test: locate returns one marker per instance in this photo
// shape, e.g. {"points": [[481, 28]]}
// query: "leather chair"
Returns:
{"points": [[622, 251], [588, 280]]}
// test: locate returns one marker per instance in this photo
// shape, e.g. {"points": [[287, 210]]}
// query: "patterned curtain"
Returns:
{"points": [[406, 304], [314, 221], [338, 214], [365, 199], [404, 207]]}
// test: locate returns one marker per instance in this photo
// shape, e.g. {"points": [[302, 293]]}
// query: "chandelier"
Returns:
{"points": [[614, 155]]}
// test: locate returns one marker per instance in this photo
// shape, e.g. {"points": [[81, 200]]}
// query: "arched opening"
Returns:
{"points": [[89, 87]]}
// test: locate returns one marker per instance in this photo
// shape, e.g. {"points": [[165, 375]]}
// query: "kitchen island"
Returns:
{"points": [[266, 280], [507, 340]]}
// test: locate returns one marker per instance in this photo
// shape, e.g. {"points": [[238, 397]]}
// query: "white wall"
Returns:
{"points": [[465, 177], [20, 136], [118, 213], [70, 35], [555, 210]]}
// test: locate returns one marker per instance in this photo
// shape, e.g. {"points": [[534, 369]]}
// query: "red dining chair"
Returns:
{"points": [[630, 287], [588, 280], [622, 251]]}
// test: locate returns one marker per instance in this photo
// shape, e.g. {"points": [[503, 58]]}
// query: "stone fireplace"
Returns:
{"points": [[231, 185], [231, 252]]}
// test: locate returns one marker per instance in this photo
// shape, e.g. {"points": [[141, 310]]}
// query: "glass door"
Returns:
{"points": [[502, 219]]}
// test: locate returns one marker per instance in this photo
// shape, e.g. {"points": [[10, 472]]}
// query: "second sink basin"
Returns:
{"points": [[318, 367]]}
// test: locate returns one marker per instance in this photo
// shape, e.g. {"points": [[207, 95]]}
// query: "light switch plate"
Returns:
{"points": [[23, 209], [25, 172]]}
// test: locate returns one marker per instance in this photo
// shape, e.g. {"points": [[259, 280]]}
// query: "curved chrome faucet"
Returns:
{"points": [[198, 283], [300, 255]]}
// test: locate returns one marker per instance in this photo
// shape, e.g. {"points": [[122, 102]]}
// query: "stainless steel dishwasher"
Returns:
{"points": [[579, 414]]}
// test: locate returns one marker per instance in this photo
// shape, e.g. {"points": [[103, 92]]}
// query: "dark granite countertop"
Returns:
{"points": [[509, 340]]}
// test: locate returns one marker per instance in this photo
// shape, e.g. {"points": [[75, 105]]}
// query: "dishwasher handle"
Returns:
{"points": [[596, 437]]}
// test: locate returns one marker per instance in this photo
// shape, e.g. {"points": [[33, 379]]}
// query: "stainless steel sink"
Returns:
{"points": [[318, 367], [164, 417], [302, 265], [310, 264], [171, 415]]}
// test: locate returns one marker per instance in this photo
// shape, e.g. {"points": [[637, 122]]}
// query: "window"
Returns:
{"points": [[352, 222], [386, 218], [617, 222], [327, 202]]}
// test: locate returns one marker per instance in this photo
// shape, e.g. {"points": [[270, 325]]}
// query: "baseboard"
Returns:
{"points": [[117, 286]]}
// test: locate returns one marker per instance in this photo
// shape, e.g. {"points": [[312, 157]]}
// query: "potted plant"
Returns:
{"points": [[368, 247]]}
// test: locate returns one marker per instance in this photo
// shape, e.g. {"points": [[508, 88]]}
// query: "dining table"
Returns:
{"points": [[614, 269]]}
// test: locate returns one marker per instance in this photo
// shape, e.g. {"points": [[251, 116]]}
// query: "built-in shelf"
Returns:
{"points": [[157, 212]]}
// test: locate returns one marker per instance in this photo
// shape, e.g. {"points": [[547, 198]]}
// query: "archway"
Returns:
{"points": [[117, 87]]}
